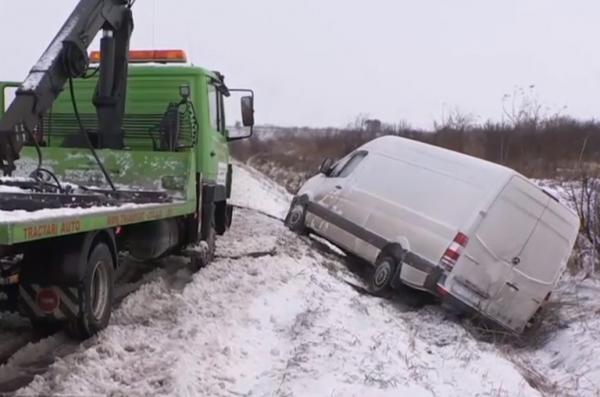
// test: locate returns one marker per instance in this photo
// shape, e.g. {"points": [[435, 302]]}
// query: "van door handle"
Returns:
{"points": [[338, 187]]}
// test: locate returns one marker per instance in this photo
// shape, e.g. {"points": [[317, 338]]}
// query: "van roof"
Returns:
{"points": [[471, 169]]}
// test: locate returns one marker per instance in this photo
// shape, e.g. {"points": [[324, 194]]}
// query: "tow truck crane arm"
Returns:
{"points": [[66, 58]]}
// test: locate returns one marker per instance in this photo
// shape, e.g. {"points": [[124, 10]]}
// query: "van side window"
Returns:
{"points": [[351, 165]]}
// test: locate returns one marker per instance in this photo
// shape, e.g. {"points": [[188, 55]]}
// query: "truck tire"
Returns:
{"points": [[223, 215], [96, 292], [295, 219], [381, 277]]}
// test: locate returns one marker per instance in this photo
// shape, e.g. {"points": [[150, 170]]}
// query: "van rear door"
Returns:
{"points": [[486, 275], [538, 266]]}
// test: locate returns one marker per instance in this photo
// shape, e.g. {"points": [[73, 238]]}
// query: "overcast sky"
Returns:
{"points": [[323, 62]]}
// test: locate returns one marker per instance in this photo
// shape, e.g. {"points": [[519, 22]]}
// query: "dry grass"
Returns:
{"points": [[541, 148]]}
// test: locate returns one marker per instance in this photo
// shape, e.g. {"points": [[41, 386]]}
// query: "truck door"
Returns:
{"points": [[484, 276], [216, 143]]}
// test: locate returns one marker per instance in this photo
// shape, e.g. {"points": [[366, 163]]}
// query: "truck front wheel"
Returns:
{"points": [[96, 292]]}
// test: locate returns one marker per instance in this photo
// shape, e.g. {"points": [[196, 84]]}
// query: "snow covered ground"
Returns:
{"points": [[272, 316], [564, 359], [253, 190]]}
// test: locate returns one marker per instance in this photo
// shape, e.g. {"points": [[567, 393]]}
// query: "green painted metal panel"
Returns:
{"points": [[150, 90], [52, 226], [172, 172]]}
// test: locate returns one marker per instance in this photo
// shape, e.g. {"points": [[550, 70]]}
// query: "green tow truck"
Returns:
{"points": [[118, 151]]}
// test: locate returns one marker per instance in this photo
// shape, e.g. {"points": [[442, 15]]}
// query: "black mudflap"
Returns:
{"points": [[52, 303]]}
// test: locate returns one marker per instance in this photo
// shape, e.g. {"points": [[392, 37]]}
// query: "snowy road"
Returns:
{"points": [[270, 317]]}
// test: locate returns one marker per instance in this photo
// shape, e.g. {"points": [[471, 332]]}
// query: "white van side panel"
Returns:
{"points": [[415, 204]]}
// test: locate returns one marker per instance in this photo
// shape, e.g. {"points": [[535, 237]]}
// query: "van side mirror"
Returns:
{"points": [[326, 166], [248, 111]]}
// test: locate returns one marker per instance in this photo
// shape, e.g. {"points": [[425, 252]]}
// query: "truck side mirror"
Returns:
{"points": [[241, 130], [326, 166], [248, 111]]}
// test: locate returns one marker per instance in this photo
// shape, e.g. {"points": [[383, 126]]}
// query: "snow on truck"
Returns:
{"points": [[133, 155], [478, 235]]}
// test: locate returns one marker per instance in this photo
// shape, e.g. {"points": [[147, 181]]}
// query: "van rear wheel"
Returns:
{"points": [[381, 278]]}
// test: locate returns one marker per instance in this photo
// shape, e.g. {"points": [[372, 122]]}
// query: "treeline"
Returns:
{"points": [[548, 148]]}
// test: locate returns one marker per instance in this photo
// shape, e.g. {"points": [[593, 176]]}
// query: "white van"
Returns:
{"points": [[479, 235]]}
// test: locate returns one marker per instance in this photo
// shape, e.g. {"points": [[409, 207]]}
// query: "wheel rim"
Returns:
{"points": [[383, 273], [296, 215], [99, 290]]}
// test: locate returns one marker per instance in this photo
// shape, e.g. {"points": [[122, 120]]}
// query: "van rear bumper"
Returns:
{"points": [[420, 273], [463, 309]]}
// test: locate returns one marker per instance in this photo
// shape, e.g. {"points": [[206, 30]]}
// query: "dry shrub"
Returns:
{"points": [[585, 197]]}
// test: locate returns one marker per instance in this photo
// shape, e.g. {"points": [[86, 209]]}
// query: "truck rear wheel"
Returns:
{"points": [[96, 293], [381, 277]]}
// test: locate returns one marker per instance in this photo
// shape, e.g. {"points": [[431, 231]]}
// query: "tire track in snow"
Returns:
{"points": [[23, 354], [273, 324]]}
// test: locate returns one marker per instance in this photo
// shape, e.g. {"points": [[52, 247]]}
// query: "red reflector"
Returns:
{"points": [[452, 254], [461, 239], [48, 300]]}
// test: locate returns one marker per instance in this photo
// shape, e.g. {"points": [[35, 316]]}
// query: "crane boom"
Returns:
{"points": [[66, 58]]}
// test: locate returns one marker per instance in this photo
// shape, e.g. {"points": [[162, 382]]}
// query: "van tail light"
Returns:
{"points": [[441, 291], [454, 251]]}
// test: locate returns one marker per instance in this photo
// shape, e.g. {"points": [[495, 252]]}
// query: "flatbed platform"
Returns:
{"points": [[21, 226]]}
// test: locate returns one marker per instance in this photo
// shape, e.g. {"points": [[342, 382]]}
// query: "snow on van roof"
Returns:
{"points": [[450, 161]]}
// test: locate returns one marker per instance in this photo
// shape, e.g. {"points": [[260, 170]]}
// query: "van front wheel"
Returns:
{"points": [[382, 275], [295, 219]]}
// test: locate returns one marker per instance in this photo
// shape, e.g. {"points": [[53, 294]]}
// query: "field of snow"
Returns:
{"points": [[273, 315]]}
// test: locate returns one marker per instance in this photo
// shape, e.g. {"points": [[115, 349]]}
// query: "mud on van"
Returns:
{"points": [[478, 235]]}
